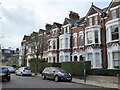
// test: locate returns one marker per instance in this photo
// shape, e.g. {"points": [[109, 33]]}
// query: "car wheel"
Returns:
{"points": [[8, 79], [43, 77], [21, 74], [56, 78]]}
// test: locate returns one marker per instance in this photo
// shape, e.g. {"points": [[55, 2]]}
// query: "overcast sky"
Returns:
{"points": [[22, 17]]}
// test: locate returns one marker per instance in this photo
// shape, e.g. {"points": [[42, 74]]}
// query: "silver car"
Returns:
{"points": [[23, 71]]}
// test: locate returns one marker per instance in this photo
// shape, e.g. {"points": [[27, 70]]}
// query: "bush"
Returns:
{"points": [[76, 68], [35, 63], [104, 72]]}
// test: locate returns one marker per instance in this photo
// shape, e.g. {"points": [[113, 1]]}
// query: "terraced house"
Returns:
{"points": [[96, 36]]}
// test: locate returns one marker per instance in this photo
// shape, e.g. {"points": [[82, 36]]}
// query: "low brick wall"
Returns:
{"points": [[109, 79]]}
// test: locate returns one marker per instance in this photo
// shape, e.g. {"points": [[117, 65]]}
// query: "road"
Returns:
{"points": [[37, 82]]}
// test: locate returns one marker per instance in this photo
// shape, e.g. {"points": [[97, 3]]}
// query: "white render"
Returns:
{"points": [[63, 54], [114, 48], [108, 25], [94, 51], [64, 42], [93, 29], [50, 57]]}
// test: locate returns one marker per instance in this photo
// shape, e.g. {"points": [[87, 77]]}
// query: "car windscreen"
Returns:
{"points": [[10, 68], [26, 69], [3, 70], [59, 70]]}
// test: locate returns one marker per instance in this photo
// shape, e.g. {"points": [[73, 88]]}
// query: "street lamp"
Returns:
{"points": [[83, 53]]}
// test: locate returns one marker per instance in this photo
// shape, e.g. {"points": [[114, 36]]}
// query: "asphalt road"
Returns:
{"points": [[37, 82]]}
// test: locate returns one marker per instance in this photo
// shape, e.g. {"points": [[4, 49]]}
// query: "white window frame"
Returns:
{"points": [[116, 58], [96, 20], [90, 21], [113, 14], [113, 27], [88, 38]]}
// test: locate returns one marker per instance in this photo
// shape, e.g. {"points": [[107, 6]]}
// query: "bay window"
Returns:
{"points": [[54, 47], [66, 42], [66, 57], [90, 58], [75, 41], [89, 37], [97, 56], [81, 40], [115, 32], [96, 37], [116, 59]]}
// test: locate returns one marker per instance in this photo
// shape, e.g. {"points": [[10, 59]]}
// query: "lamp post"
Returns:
{"points": [[83, 53]]}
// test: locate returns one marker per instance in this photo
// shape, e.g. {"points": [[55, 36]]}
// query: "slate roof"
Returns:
{"points": [[80, 21]]}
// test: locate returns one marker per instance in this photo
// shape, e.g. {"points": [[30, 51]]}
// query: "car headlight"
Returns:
{"points": [[69, 74], [61, 73]]}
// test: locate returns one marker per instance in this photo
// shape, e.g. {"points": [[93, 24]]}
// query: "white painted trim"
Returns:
{"points": [[93, 15], [66, 25], [114, 8]]}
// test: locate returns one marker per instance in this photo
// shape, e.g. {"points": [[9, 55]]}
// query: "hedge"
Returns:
{"points": [[104, 72], [43, 65], [76, 68]]}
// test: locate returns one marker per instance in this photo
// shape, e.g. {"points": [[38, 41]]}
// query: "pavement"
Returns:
{"points": [[95, 83]]}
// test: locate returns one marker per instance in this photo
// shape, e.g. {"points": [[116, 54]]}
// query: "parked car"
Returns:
{"points": [[56, 74], [4, 74], [23, 71], [11, 69]]}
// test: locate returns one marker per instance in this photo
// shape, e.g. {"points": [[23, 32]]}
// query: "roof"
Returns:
{"points": [[80, 21], [94, 9], [57, 24], [113, 4], [26, 37]]}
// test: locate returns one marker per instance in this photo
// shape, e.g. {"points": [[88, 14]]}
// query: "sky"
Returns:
{"points": [[22, 17]]}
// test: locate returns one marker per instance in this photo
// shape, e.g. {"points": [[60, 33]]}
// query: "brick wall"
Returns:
{"points": [[109, 79]]}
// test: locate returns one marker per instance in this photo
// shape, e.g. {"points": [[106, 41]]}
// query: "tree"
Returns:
{"points": [[39, 43]]}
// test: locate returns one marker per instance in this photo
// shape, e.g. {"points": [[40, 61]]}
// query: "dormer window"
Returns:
{"points": [[90, 21], [113, 13]]}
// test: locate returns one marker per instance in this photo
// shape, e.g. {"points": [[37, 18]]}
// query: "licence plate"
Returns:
{"points": [[68, 78]]}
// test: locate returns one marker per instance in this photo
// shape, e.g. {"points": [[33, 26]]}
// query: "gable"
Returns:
{"points": [[92, 11], [54, 26], [114, 3], [65, 22]]}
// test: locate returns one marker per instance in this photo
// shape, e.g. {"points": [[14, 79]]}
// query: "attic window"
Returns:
{"points": [[96, 20], [90, 21], [113, 13]]}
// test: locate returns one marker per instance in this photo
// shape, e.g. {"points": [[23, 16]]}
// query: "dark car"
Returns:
{"points": [[56, 73], [4, 74]]}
